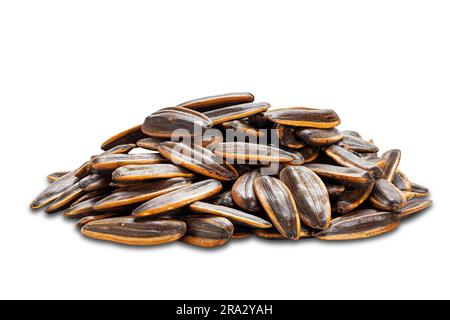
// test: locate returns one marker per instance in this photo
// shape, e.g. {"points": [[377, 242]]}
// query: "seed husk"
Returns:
{"points": [[305, 117], [179, 198], [54, 190], [319, 137], [207, 231], [310, 154], [357, 144], [310, 195], [260, 120], [92, 194], [392, 160], [243, 194], [417, 188], [343, 175], [52, 177], [288, 137], [334, 191], [242, 127], [125, 197], [197, 159], [359, 225], [129, 136], [218, 101], [150, 172], [83, 221], [386, 196], [90, 183], [231, 214], [83, 209], [125, 230], [114, 161], [150, 143], [235, 112], [223, 199], [401, 181], [352, 133], [352, 198], [412, 207], [252, 152], [163, 123], [347, 159], [279, 204]]}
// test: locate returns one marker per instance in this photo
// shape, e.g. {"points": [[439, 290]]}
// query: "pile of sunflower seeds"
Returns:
{"points": [[224, 167]]}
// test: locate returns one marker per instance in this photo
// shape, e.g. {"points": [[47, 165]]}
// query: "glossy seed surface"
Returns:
{"points": [[252, 152], [129, 136], [240, 111], [125, 230], [207, 231], [305, 117], [243, 193], [114, 161], [179, 198], [218, 101], [279, 204], [150, 172], [412, 207]]}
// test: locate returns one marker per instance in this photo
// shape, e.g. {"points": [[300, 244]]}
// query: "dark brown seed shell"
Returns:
{"points": [[150, 172], [386, 196], [310, 195], [319, 137], [334, 191], [231, 214], [417, 188], [342, 175], [197, 159], [279, 204], [240, 111], [392, 160], [243, 128], [54, 190], [357, 144], [223, 199], [352, 198], [360, 224], [125, 230], [218, 101], [241, 232], [305, 117], [252, 152], [150, 143], [83, 209], [243, 194], [83, 221], [207, 231], [288, 138], [163, 123], [129, 136], [273, 234], [124, 197], [310, 154], [179, 198], [401, 181], [412, 207], [114, 161], [347, 159]]}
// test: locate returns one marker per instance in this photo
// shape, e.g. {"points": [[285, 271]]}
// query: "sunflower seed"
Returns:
{"points": [[357, 144], [401, 181], [279, 204], [288, 137], [114, 161], [52, 177], [129, 136], [240, 111], [83, 209], [231, 214], [163, 123], [197, 159], [341, 174], [150, 143], [207, 231], [392, 159], [252, 152], [149, 171], [310, 195], [179, 198], [223, 199], [319, 137], [412, 207], [305, 117], [360, 224], [386, 196], [351, 198], [242, 127], [243, 194], [125, 230], [124, 197], [218, 101]]}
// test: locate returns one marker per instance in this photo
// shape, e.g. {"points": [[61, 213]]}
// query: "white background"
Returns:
{"points": [[72, 73]]}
